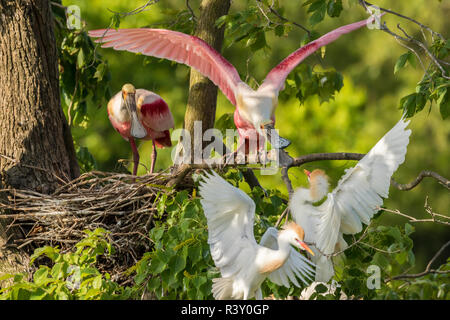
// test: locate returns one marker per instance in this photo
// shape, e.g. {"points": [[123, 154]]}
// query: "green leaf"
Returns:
{"points": [[321, 288], [39, 294], [6, 276], [334, 8], [380, 260], [153, 284], [401, 62], [52, 253], [40, 277], [226, 121], [81, 60], [279, 30], [408, 104], [178, 263], [157, 266], [444, 104], [409, 229], [316, 17]]}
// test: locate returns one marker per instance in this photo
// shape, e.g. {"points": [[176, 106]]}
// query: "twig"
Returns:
{"points": [[287, 181], [414, 220], [191, 11], [284, 214], [138, 9], [366, 3], [276, 13], [326, 156], [427, 270], [32, 167], [425, 173]]}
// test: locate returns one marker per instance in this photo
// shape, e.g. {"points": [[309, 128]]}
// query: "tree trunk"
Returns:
{"points": [[36, 147], [202, 92]]}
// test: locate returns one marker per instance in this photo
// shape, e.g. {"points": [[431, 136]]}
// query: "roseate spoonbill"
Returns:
{"points": [[141, 114], [354, 201], [254, 114], [243, 263]]}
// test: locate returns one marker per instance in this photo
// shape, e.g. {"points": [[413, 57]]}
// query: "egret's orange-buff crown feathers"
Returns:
{"points": [[296, 228]]}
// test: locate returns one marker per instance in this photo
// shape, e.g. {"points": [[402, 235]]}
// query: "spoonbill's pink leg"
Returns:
{"points": [[135, 155], [154, 154]]}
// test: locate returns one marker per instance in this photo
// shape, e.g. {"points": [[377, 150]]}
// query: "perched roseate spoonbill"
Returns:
{"points": [[354, 201], [254, 109], [141, 114], [243, 263]]}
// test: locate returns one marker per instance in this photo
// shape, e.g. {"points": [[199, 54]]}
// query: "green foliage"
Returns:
{"points": [[180, 264], [85, 159], [68, 276], [245, 26], [318, 9], [306, 83], [391, 249], [84, 76], [433, 87]]}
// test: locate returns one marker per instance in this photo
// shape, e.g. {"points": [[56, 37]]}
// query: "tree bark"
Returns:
{"points": [[36, 147], [202, 92]]}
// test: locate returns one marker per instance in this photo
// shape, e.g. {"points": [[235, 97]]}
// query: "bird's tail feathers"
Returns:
{"points": [[324, 269], [222, 288]]}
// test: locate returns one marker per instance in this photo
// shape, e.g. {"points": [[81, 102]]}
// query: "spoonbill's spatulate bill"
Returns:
{"points": [[254, 109], [243, 263], [141, 114], [353, 202]]}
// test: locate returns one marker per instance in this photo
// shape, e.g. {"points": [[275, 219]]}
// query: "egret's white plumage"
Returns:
{"points": [[353, 202], [243, 263]]}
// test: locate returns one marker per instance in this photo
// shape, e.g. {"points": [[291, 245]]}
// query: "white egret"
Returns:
{"points": [[353, 202], [243, 263]]}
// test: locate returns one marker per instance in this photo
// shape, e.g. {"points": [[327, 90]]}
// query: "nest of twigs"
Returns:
{"points": [[118, 203]]}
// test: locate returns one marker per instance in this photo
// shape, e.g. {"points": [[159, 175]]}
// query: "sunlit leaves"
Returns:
{"points": [[306, 83], [433, 87], [83, 75], [72, 275], [318, 9]]}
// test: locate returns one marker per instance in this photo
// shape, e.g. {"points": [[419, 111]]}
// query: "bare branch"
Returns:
{"points": [[435, 217], [425, 173], [276, 13], [326, 156], [284, 214], [140, 9], [366, 3], [427, 270], [191, 11], [287, 181]]}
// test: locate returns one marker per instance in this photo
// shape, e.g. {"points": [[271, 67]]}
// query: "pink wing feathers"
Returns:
{"points": [[277, 76], [153, 111], [176, 46]]}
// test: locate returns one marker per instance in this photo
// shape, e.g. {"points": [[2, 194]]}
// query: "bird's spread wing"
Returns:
{"points": [[175, 46], [230, 215], [295, 267], [277, 76], [361, 188], [304, 215]]}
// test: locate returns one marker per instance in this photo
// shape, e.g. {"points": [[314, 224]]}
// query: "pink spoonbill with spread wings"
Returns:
{"points": [[141, 114], [254, 115]]}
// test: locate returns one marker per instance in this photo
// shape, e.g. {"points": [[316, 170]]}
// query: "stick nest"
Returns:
{"points": [[114, 202]]}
